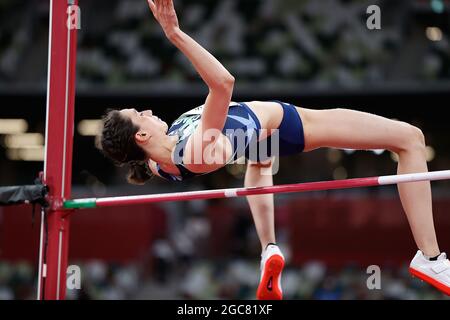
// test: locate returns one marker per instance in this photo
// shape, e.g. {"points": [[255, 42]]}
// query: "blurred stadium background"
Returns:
{"points": [[316, 54]]}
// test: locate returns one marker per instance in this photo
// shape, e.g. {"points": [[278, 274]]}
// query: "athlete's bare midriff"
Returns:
{"points": [[270, 115]]}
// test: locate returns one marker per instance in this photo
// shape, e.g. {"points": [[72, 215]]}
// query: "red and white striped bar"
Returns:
{"points": [[240, 192]]}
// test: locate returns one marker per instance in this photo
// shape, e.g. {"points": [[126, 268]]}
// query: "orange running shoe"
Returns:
{"points": [[272, 264]]}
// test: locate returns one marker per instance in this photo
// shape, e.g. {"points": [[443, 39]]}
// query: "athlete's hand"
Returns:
{"points": [[164, 13]]}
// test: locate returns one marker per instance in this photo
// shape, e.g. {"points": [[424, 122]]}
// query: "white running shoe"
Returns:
{"points": [[272, 264], [436, 272]]}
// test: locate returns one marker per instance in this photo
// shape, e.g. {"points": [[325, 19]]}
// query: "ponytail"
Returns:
{"points": [[138, 173]]}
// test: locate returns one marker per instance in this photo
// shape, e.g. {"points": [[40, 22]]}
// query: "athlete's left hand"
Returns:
{"points": [[164, 13]]}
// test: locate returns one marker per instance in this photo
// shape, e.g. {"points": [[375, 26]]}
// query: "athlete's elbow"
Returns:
{"points": [[229, 80], [226, 83]]}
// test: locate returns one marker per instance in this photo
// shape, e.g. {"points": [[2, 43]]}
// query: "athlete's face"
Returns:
{"points": [[150, 126]]}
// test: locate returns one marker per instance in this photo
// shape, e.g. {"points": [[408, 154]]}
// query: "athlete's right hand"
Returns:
{"points": [[164, 13]]}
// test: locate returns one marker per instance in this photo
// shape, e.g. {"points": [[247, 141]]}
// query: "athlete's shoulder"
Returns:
{"points": [[196, 111]]}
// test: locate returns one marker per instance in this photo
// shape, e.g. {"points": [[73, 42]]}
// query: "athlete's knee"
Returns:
{"points": [[418, 141], [413, 139], [419, 136], [255, 171], [260, 164]]}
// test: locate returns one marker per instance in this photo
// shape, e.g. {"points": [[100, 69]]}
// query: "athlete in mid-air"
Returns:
{"points": [[208, 137]]}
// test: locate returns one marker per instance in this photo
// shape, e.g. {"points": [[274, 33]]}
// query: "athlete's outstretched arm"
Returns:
{"points": [[213, 73]]}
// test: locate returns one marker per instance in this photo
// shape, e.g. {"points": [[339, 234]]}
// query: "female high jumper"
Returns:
{"points": [[205, 139]]}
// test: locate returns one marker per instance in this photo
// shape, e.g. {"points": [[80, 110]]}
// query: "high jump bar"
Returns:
{"points": [[240, 192]]}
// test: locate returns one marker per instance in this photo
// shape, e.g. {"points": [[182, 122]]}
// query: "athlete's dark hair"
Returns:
{"points": [[118, 144]]}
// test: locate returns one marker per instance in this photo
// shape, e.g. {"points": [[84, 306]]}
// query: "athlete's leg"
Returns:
{"points": [[261, 206], [342, 128]]}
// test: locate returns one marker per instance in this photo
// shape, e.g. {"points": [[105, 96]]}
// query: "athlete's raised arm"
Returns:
{"points": [[219, 81]]}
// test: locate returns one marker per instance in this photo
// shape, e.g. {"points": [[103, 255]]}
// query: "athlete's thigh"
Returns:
{"points": [[345, 128]]}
